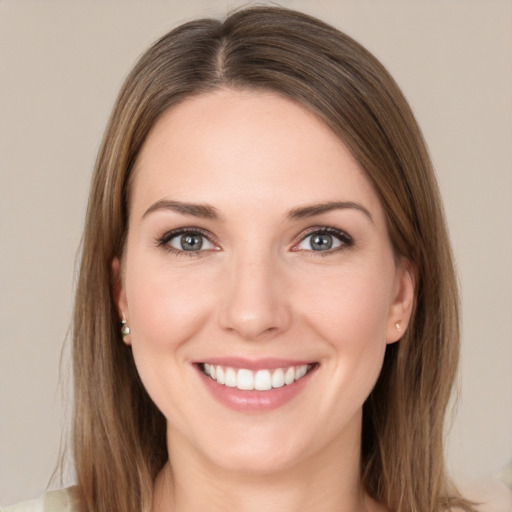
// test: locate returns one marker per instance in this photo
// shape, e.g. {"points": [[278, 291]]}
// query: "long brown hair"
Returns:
{"points": [[119, 435]]}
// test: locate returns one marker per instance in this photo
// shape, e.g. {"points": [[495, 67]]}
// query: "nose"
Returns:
{"points": [[254, 301]]}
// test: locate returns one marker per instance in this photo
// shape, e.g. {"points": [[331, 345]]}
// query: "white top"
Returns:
{"points": [[53, 501], [493, 496]]}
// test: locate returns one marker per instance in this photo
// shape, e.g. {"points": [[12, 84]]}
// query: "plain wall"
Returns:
{"points": [[61, 65]]}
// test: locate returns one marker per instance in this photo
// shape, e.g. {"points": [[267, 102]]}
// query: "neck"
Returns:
{"points": [[326, 482]]}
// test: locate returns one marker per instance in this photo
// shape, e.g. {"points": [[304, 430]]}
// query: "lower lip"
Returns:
{"points": [[255, 401]]}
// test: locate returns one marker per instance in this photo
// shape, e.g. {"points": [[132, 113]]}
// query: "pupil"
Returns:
{"points": [[191, 242], [321, 242]]}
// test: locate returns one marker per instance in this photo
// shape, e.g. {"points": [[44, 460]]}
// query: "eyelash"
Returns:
{"points": [[164, 240], [346, 241]]}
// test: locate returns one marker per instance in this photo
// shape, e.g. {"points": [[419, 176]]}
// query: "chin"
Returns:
{"points": [[254, 462], [261, 451]]}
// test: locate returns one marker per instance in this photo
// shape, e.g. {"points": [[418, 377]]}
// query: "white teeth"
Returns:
{"points": [[261, 380], [278, 378], [230, 378], [245, 380], [301, 371], [289, 376]]}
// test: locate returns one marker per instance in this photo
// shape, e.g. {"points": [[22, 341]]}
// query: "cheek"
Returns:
{"points": [[350, 315], [166, 311], [351, 308], [166, 308]]}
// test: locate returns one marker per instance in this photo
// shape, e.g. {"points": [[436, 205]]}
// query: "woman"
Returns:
{"points": [[266, 312]]}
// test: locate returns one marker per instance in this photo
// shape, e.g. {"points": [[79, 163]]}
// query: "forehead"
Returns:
{"points": [[256, 146]]}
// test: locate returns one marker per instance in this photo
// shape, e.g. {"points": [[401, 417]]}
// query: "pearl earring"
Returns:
{"points": [[125, 329], [398, 327]]}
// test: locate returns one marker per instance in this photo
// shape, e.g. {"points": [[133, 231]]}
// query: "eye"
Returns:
{"points": [[325, 240], [190, 242], [186, 241]]}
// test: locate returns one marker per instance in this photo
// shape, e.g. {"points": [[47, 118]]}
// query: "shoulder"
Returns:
{"points": [[489, 495], [64, 500]]}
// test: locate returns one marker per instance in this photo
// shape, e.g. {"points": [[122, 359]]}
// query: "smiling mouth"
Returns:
{"points": [[259, 380]]}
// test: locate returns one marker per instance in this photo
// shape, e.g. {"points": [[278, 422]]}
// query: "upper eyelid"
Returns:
{"points": [[173, 233], [179, 231], [345, 238], [163, 242], [323, 229]]}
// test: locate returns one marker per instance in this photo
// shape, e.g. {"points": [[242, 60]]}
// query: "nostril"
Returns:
{"points": [[254, 308]]}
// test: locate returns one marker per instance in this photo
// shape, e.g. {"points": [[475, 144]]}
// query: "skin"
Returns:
{"points": [[256, 290]]}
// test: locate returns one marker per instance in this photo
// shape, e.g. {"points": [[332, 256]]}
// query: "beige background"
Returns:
{"points": [[61, 64]]}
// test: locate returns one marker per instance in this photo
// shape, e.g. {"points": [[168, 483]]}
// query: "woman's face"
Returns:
{"points": [[257, 251]]}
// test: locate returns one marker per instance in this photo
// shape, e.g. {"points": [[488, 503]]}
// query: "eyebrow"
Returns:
{"points": [[303, 212], [207, 211], [204, 211]]}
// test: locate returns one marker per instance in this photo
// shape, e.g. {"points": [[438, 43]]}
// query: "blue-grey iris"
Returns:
{"points": [[321, 242], [191, 242]]}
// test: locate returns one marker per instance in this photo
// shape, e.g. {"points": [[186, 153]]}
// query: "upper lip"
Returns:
{"points": [[269, 363]]}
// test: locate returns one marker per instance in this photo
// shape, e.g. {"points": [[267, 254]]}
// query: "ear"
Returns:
{"points": [[118, 289], [120, 300], [403, 301]]}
